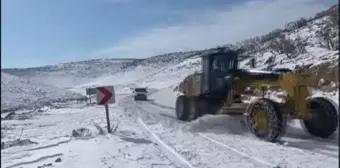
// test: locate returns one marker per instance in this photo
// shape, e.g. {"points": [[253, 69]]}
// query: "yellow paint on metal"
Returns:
{"points": [[294, 85], [260, 118]]}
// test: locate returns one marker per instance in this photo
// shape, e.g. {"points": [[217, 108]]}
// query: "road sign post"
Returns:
{"points": [[106, 96], [107, 118]]}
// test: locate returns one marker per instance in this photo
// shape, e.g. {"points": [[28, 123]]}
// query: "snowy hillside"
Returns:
{"points": [[70, 74], [305, 50], [17, 92], [148, 69], [86, 73]]}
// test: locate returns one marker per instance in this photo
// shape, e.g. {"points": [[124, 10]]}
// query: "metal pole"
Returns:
{"points": [[107, 118]]}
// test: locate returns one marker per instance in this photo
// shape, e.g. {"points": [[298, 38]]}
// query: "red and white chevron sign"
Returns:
{"points": [[105, 95]]}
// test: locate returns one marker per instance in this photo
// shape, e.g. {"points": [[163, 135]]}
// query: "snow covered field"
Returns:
{"points": [[19, 92], [126, 147]]}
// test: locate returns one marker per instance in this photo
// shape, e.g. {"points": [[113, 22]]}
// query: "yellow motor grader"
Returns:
{"points": [[219, 89]]}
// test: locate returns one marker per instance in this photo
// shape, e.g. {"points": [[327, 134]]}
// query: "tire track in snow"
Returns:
{"points": [[34, 161], [170, 152], [160, 105], [49, 146], [263, 162], [284, 155], [237, 151], [160, 111], [290, 148], [202, 153], [145, 106]]}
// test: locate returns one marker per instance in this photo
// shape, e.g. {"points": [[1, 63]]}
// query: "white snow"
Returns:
{"points": [[300, 146], [18, 92], [73, 73], [127, 147], [165, 97]]}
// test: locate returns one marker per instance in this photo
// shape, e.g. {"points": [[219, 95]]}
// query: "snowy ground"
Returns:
{"points": [[127, 147], [148, 135], [18, 92], [235, 146]]}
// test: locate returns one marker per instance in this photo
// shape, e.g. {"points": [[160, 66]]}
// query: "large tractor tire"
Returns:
{"points": [[182, 108], [264, 120], [324, 121], [194, 108]]}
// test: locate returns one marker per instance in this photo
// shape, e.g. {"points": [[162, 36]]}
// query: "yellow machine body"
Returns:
{"points": [[294, 85]]}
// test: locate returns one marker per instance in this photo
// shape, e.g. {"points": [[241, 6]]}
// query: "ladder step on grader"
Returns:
{"points": [[218, 89]]}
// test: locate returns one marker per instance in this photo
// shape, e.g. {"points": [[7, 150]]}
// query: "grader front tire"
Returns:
{"points": [[194, 110], [182, 108], [325, 118], [265, 120]]}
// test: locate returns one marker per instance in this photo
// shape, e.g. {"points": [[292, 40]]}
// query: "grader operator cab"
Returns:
{"points": [[218, 89]]}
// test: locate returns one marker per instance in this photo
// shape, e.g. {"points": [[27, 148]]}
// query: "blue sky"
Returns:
{"points": [[41, 32]]}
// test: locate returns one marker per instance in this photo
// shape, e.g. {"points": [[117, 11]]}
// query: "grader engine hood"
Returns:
{"points": [[258, 75], [191, 85]]}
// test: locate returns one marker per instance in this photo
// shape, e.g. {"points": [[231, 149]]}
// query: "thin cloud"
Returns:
{"points": [[213, 28]]}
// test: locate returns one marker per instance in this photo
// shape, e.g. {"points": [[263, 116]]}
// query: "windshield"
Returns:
{"points": [[222, 63], [140, 90]]}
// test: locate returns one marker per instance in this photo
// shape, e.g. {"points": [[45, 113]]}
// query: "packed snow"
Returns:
{"points": [[50, 135]]}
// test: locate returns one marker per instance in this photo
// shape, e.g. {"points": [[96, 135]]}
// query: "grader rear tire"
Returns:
{"points": [[325, 118], [182, 108], [266, 114]]}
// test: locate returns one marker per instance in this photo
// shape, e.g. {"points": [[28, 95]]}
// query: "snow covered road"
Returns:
{"points": [[223, 141], [148, 135]]}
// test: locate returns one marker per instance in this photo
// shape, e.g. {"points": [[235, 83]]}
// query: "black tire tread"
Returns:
{"points": [[194, 110], [276, 119], [182, 100], [331, 115]]}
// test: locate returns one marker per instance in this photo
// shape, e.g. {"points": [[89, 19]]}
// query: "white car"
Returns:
{"points": [[140, 94]]}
